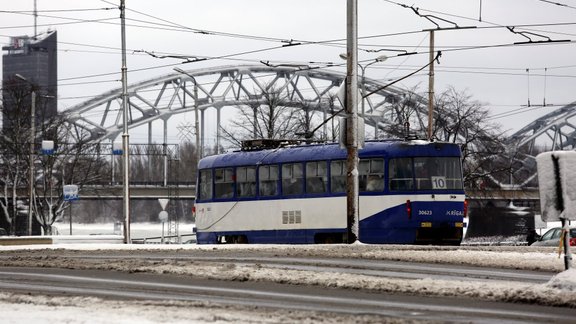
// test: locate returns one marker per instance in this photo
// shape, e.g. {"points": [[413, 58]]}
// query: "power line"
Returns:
{"points": [[31, 12], [521, 110], [293, 43], [557, 4], [77, 21], [494, 25]]}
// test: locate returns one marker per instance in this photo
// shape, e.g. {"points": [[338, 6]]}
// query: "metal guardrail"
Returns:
{"points": [[167, 239], [495, 243]]}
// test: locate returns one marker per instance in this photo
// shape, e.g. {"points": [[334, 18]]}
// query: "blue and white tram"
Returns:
{"points": [[411, 192]]}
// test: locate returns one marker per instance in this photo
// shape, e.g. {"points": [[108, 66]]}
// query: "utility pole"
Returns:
{"points": [[196, 122], [352, 189], [431, 86], [125, 135], [31, 174], [35, 20], [32, 139]]}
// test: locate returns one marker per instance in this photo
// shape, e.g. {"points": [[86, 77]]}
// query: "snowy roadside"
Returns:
{"points": [[560, 291], [510, 257], [17, 309]]}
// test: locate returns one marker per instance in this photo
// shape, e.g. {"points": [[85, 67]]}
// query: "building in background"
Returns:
{"points": [[36, 59]]}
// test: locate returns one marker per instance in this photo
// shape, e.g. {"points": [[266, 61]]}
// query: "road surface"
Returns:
{"points": [[311, 283]]}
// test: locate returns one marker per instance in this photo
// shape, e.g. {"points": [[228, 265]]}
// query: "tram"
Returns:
{"points": [[410, 192]]}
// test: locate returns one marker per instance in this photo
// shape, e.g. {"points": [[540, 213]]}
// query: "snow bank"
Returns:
{"points": [[565, 280], [560, 291], [18, 309]]}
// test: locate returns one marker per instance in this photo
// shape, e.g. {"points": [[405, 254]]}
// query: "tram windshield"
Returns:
{"points": [[425, 173]]}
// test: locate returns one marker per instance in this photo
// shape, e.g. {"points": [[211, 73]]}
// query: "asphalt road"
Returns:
{"points": [[380, 268], [120, 285], [97, 274]]}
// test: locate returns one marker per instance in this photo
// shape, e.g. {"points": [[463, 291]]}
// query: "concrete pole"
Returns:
{"points": [[431, 87], [125, 135], [165, 151], [352, 121], [218, 132], [196, 121], [35, 19], [31, 157], [149, 145], [202, 133]]}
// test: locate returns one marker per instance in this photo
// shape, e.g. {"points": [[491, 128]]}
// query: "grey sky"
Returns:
{"points": [[493, 75]]}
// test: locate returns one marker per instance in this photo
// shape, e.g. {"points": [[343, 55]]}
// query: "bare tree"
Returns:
{"points": [[460, 119], [269, 118], [404, 120], [188, 162], [14, 148], [75, 161]]}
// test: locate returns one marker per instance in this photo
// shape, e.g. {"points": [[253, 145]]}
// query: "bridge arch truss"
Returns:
{"points": [[554, 131], [101, 118]]}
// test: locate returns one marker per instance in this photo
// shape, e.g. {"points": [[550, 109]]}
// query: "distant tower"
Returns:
{"points": [[34, 58]]}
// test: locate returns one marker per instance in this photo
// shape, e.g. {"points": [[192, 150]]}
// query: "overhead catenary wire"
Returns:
{"points": [[466, 48], [302, 42], [557, 4], [493, 25]]}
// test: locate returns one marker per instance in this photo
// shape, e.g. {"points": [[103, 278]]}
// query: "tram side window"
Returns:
{"points": [[246, 182], [338, 176], [268, 180], [316, 177], [292, 179], [224, 183], [205, 184], [400, 174], [371, 175]]}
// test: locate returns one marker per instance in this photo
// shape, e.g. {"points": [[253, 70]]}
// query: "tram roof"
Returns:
{"points": [[332, 151]]}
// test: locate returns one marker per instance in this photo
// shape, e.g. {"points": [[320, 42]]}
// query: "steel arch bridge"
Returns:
{"points": [[101, 118], [160, 98], [551, 132]]}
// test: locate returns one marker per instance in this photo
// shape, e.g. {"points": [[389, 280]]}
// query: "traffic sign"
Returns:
{"points": [[556, 179], [163, 202], [163, 216], [70, 192]]}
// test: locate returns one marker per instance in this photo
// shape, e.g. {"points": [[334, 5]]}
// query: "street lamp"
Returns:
{"points": [[378, 59], [31, 153], [196, 123]]}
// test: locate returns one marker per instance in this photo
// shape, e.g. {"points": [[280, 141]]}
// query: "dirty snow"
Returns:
{"points": [[559, 291]]}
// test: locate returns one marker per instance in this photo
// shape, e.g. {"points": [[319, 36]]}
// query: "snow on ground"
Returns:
{"points": [[559, 291], [17, 309]]}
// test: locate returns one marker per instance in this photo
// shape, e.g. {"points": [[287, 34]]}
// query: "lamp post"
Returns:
{"points": [[380, 58], [196, 121], [31, 153]]}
